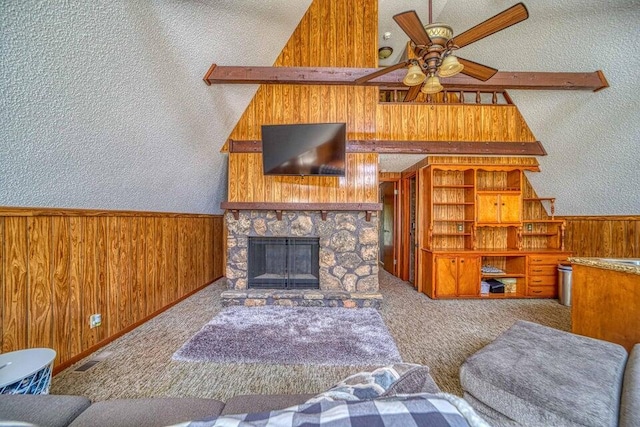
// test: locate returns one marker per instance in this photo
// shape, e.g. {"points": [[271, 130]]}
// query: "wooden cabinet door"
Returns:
{"points": [[487, 208], [510, 208], [446, 276], [468, 276]]}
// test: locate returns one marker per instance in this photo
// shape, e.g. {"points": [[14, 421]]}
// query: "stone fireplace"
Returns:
{"points": [[347, 255]]}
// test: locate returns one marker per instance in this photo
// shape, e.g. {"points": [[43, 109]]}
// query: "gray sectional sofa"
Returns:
{"points": [[76, 411]]}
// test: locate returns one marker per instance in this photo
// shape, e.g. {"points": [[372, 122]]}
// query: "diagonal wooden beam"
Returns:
{"points": [[347, 76]]}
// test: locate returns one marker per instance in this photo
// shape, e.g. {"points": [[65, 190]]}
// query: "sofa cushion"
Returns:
{"points": [[630, 400], [400, 378], [496, 419], [42, 410], [538, 375], [263, 402], [153, 412]]}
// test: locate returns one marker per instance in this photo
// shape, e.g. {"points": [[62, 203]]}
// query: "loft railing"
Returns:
{"points": [[391, 95]]}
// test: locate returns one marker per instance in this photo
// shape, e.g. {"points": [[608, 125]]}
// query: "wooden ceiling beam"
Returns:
{"points": [[418, 147], [347, 76]]}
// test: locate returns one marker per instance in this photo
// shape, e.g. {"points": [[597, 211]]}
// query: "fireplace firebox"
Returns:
{"points": [[283, 263]]}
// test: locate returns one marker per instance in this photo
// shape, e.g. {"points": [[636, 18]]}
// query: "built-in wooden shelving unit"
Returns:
{"points": [[474, 215]]}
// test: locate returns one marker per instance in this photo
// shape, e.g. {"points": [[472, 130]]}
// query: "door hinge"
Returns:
{"points": [[395, 262], [395, 192]]}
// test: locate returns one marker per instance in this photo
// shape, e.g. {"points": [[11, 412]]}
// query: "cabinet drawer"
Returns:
{"points": [[547, 259], [542, 291], [543, 270], [543, 280]]}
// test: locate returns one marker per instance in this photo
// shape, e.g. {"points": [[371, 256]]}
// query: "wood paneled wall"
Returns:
{"points": [[335, 33], [360, 185], [451, 123], [332, 33], [57, 267], [343, 33], [603, 236]]}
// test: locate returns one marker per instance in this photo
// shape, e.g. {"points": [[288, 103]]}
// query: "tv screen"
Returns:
{"points": [[304, 149]]}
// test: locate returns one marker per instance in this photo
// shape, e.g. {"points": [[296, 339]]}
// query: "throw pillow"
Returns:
{"points": [[400, 378]]}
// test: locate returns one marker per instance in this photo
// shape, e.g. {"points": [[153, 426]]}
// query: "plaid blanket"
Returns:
{"points": [[414, 410]]}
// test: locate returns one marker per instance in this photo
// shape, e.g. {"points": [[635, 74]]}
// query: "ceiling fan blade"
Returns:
{"points": [[381, 72], [411, 24], [503, 20], [412, 93], [477, 71]]}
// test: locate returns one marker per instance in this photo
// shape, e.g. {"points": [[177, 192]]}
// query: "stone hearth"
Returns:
{"points": [[348, 257]]}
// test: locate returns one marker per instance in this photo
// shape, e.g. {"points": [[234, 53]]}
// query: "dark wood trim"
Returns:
{"points": [[31, 212], [208, 75], [534, 148], [443, 147], [347, 76], [61, 367], [603, 79], [261, 206]]}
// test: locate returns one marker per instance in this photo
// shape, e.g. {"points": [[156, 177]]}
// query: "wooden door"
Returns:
{"points": [[487, 208], [387, 221], [446, 276], [468, 276], [510, 208]]}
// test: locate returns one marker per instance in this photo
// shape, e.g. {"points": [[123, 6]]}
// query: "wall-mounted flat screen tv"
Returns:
{"points": [[304, 149]]}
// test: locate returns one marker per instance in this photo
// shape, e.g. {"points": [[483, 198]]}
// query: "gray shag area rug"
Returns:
{"points": [[293, 336]]}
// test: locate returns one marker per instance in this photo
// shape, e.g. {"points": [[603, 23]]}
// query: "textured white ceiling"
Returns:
{"points": [[103, 105]]}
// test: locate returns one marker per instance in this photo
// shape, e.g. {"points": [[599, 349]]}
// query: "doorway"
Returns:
{"points": [[388, 192]]}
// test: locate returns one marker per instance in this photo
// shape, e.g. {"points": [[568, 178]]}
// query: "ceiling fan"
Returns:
{"points": [[433, 46]]}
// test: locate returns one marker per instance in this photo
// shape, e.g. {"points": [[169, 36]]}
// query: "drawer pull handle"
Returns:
{"points": [[537, 271], [537, 292], [537, 281]]}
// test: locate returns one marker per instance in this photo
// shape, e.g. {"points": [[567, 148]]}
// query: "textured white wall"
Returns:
{"points": [[592, 139], [103, 104]]}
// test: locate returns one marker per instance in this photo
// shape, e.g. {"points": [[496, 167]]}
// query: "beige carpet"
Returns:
{"points": [[440, 334]]}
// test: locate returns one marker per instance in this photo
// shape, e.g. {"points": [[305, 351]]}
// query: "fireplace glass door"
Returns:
{"points": [[283, 263]]}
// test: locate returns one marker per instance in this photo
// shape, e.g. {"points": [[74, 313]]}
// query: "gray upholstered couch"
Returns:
{"points": [[75, 411], [533, 375]]}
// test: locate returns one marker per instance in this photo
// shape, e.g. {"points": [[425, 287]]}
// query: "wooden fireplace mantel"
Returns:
{"points": [[236, 207]]}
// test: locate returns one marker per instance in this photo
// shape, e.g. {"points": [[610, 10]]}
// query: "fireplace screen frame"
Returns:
{"points": [[296, 264]]}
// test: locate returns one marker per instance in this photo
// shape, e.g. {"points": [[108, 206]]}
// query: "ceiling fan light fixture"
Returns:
{"points": [[450, 67], [414, 76], [439, 33], [431, 86]]}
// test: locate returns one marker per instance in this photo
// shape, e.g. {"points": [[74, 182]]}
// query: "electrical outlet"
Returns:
{"points": [[460, 228], [529, 227], [95, 320]]}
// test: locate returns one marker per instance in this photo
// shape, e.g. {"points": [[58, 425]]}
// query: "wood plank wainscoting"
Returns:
{"points": [[59, 266], [603, 236]]}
